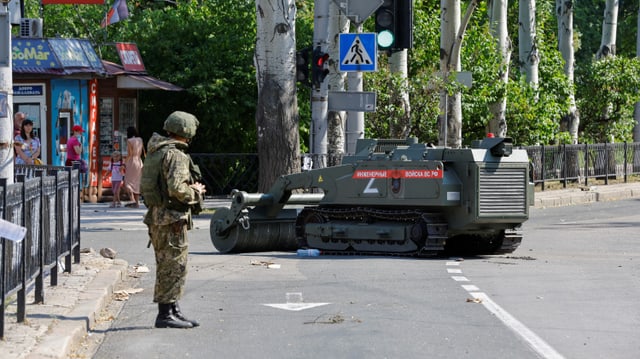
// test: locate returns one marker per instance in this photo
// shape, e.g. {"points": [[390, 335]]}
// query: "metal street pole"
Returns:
{"points": [[320, 94], [6, 95], [355, 119]]}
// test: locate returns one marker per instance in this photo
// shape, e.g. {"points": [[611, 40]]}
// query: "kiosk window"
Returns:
{"points": [[127, 119], [106, 126]]}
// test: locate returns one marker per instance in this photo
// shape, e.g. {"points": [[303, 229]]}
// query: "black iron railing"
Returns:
{"points": [[46, 201]]}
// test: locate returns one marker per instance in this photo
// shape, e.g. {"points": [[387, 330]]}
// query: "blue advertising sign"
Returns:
{"points": [[358, 52], [28, 90], [33, 53], [69, 52]]}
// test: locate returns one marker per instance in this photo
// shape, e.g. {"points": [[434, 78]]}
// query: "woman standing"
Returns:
{"points": [[133, 164], [27, 146], [74, 146]]}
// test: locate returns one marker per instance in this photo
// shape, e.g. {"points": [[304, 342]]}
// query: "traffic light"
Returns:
{"points": [[404, 24], [302, 66], [386, 24], [394, 25], [319, 66]]}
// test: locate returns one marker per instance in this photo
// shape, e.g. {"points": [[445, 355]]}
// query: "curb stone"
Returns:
{"points": [[69, 312]]}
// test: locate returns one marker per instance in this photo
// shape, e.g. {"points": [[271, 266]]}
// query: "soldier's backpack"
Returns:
{"points": [[152, 187]]}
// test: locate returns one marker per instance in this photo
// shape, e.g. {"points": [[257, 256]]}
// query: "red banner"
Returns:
{"points": [[415, 173], [72, 2], [93, 133]]}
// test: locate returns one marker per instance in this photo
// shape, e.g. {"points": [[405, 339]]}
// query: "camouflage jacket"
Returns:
{"points": [[178, 177]]}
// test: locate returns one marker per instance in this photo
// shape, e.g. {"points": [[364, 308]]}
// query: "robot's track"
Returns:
{"points": [[428, 231], [428, 234]]}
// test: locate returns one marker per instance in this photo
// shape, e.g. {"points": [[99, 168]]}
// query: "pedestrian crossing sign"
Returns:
{"points": [[358, 52]]}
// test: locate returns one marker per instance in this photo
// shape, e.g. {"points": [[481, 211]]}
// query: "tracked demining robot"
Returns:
{"points": [[392, 197]]}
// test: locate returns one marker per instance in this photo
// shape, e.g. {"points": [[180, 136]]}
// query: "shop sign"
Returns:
{"points": [[28, 90], [70, 52], [130, 56], [33, 53]]}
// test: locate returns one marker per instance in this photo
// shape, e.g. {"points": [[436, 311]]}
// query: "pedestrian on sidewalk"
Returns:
{"points": [[133, 161], [170, 190], [117, 171]]}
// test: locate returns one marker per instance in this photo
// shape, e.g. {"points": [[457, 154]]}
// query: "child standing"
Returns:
{"points": [[117, 170]]}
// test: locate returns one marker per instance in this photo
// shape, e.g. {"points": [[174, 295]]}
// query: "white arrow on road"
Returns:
{"points": [[295, 306]]}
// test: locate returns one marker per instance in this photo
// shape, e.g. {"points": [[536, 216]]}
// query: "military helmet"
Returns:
{"points": [[182, 124]]}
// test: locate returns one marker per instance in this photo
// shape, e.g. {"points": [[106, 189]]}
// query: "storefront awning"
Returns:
{"points": [[137, 80], [145, 82], [54, 57]]}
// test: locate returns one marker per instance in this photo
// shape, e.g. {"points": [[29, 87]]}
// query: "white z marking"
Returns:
{"points": [[369, 189]]}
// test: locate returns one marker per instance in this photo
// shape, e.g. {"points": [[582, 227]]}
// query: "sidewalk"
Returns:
{"points": [[584, 195], [77, 305]]}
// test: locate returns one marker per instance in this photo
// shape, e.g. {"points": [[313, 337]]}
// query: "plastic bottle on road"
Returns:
{"points": [[308, 252]]}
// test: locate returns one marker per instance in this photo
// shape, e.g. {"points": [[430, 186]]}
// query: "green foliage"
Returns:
{"points": [[607, 98], [197, 46], [424, 64], [207, 48], [304, 38]]}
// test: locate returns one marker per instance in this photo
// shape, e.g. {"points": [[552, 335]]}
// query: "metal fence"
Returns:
{"points": [[580, 163], [564, 163], [46, 201]]}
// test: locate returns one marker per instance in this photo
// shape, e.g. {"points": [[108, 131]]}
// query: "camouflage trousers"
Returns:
{"points": [[170, 244]]}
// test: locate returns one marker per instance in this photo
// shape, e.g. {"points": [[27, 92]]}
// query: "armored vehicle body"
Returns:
{"points": [[391, 197]]}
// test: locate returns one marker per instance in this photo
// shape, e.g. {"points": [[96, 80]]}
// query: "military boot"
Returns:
{"points": [[166, 319], [175, 310]]}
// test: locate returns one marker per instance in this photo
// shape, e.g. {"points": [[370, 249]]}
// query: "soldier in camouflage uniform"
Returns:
{"points": [[169, 220]]}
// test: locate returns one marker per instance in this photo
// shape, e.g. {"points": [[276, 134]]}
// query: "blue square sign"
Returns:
{"points": [[358, 52]]}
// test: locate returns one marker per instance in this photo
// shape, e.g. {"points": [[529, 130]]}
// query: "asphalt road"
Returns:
{"points": [[570, 291]]}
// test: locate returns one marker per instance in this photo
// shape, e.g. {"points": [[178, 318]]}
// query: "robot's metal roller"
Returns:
{"points": [[257, 222]]}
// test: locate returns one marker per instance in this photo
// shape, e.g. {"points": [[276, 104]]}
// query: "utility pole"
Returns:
{"points": [[6, 95], [319, 90]]}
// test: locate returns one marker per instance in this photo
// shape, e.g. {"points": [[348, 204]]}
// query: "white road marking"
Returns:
{"points": [[470, 287], [535, 342], [453, 263], [459, 278], [454, 270], [296, 307]]}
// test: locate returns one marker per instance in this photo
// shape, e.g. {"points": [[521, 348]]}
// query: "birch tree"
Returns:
{"points": [[451, 118], [452, 32], [398, 66], [564, 12], [609, 28], [528, 49], [278, 141], [336, 120], [498, 24], [608, 43], [636, 112]]}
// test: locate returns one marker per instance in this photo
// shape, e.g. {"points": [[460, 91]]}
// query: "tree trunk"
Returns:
{"points": [[564, 12], [498, 123], [529, 57], [636, 111], [336, 120], [609, 28], [451, 35], [450, 119], [401, 127], [277, 108]]}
